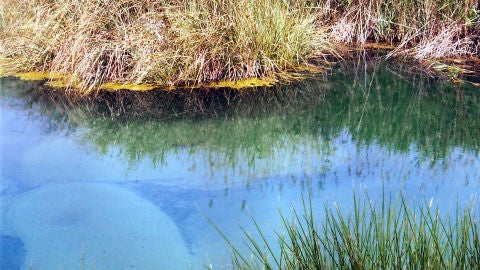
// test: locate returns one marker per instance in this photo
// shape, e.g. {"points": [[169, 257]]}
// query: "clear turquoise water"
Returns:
{"points": [[125, 180]]}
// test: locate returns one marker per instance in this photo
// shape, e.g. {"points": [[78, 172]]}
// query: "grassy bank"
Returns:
{"points": [[393, 234], [190, 42], [161, 42]]}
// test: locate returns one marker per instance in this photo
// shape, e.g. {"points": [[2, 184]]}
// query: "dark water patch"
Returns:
{"points": [[189, 208], [12, 256], [181, 206]]}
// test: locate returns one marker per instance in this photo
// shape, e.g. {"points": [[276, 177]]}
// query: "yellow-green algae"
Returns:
{"points": [[59, 80], [33, 75], [39, 76], [127, 86], [110, 86], [241, 84]]}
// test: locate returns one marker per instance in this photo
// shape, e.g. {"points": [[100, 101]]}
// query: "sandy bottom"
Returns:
{"points": [[111, 227]]}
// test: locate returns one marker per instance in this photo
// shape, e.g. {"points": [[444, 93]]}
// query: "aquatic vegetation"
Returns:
{"points": [[243, 84], [38, 76], [390, 234]]}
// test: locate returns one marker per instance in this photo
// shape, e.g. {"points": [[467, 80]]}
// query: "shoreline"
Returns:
{"points": [[457, 70], [142, 45]]}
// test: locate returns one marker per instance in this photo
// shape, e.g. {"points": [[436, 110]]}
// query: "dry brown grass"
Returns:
{"points": [[187, 42], [448, 42], [162, 42], [420, 29]]}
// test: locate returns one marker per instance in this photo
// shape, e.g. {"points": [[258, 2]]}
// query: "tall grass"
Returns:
{"points": [[187, 42], [391, 235], [164, 42], [408, 23]]}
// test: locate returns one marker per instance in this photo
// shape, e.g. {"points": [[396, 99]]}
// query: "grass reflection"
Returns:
{"points": [[401, 110], [374, 101]]}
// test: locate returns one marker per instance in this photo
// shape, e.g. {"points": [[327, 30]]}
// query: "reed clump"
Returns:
{"points": [[391, 235], [163, 42], [422, 29], [193, 42]]}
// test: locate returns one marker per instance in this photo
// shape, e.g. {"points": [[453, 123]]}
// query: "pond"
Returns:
{"points": [[127, 180]]}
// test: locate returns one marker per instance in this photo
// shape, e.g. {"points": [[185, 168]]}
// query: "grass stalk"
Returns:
{"points": [[189, 42], [393, 235]]}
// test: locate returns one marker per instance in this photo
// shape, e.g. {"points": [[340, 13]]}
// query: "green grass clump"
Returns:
{"points": [[392, 235], [163, 42]]}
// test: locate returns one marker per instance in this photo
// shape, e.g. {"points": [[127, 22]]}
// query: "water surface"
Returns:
{"points": [[124, 180]]}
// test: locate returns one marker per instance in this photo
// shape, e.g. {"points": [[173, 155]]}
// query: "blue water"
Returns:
{"points": [[75, 194], [12, 253]]}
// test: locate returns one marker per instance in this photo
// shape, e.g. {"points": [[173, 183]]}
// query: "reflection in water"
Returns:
{"points": [[228, 154], [375, 104]]}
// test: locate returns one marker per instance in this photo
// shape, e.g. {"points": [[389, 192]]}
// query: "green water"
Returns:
{"points": [[122, 180]]}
